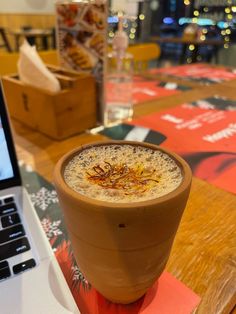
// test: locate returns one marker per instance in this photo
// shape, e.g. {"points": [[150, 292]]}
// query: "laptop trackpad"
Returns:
{"points": [[57, 283], [42, 289]]}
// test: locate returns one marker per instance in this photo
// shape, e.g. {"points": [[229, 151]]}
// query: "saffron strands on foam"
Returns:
{"points": [[122, 177]]}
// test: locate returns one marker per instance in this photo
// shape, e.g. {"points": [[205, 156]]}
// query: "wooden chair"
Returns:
{"points": [[4, 40], [143, 54], [8, 61]]}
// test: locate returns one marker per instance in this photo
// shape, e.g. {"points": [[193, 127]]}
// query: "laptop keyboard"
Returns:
{"points": [[13, 240]]}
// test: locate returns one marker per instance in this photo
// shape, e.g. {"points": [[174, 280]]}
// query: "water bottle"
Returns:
{"points": [[118, 80]]}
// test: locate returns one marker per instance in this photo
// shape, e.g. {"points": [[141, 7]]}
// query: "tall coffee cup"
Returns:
{"points": [[122, 202]]}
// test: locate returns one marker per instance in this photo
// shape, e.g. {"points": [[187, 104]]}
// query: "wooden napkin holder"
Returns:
{"points": [[58, 115]]}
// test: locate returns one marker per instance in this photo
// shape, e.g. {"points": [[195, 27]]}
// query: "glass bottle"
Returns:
{"points": [[118, 80]]}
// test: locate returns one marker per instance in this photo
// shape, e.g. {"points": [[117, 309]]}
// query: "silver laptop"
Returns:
{"points": [[31, 281]]}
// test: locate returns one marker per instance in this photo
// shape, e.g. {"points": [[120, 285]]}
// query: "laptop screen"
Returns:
{"points": [[9, 172], [6, 170]]}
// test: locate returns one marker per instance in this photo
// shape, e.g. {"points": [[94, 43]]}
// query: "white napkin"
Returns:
{"points": [[32, 70]]}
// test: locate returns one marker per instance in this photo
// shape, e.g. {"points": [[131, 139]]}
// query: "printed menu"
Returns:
{"points": [[202, 132], [81, 33], [81, 29]]}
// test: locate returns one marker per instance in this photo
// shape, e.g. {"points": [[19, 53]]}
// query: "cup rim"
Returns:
{"points": [[62, 185]]}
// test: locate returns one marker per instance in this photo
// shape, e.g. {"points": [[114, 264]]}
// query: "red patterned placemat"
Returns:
{"points": [[202, 132], [145, 89], [167, 296], [204, 73]]}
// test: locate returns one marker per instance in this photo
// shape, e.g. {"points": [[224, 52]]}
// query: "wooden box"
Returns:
{"points": [[58, 115]]}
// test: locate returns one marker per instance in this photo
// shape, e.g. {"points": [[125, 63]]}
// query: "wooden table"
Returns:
{"points": [[216, 43], [204, 252]]}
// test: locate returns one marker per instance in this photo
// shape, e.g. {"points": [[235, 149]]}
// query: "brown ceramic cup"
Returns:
{"points": [[122, 248]]}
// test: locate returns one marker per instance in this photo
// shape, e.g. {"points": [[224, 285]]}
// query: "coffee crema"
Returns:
{"points": [[122, 173]]}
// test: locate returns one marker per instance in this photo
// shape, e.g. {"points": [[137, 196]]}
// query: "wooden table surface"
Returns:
{"points": [[182, 40], [204, 252]]}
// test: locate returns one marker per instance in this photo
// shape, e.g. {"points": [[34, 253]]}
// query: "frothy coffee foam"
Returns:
{"points": [[122, 173]]}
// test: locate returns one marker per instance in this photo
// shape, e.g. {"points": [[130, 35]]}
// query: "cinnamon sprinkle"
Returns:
{"points": [[121, 177]]}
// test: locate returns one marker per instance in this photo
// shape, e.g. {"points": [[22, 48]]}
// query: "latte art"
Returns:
{"points": [[122, 173]]}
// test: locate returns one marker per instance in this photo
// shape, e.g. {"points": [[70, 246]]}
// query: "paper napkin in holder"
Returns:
{"points": [[32, 71]]}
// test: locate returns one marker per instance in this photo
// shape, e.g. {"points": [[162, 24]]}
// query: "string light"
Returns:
{"points": [[205, 9], [227, 10], [111, 34], [131, 36], [233, 9], [133, 30], [230, 16], [186, 2], [202, 37], [223, 33], [189, 60], [196, 13], [204, 31], [228, 31], [226, 38], [191, 47], [194, 20], [226, 46], [141, 17]]}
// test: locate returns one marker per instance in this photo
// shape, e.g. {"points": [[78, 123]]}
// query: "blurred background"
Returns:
{"points": [[186, 30]]}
